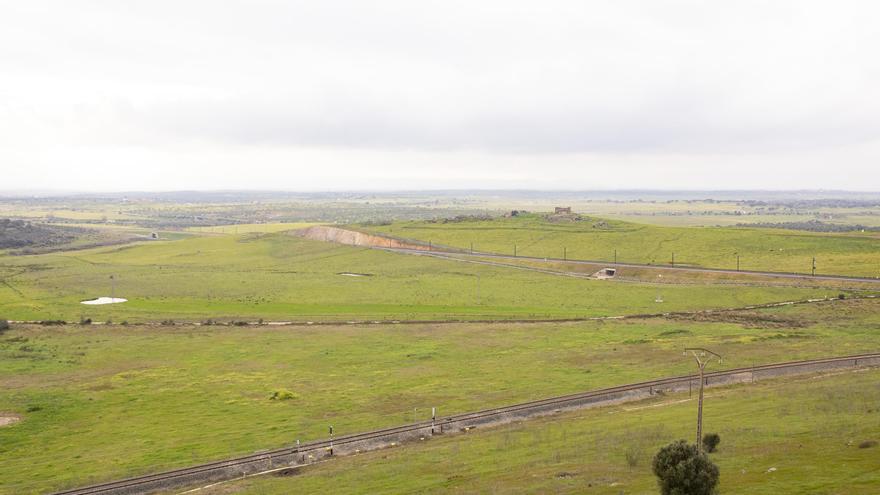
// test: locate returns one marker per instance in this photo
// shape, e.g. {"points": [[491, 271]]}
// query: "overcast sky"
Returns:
{"points": [[324, 95]]}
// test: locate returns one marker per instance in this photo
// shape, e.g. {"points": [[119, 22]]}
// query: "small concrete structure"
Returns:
{"points": [[563, 210], [606, 273]]}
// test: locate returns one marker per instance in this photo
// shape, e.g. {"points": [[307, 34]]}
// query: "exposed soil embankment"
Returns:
{"points": [[354, 238]]}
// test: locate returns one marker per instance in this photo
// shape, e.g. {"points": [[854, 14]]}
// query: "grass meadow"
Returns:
{"points": [[856, 254], [282, 277], [104, 402], [797, 435]]}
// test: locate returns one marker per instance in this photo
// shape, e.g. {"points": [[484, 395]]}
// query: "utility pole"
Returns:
{"points": [[514, 250], [737, 261], [331, 440], [433, 418], [702, 357], [564, 254], [615, 256], [659, 295], [673, 259], [112, 297], [472, 248], [814, 266]]}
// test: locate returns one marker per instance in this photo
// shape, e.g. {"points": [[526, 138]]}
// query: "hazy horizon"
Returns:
{"points": [[560, 194]]}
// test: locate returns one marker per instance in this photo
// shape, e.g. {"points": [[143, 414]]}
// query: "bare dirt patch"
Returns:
{"points": [[104, 300], [7, 419], [746, 319]]}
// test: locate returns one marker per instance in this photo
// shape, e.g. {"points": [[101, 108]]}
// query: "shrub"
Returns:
{"points": [[841, 296], [4, 325], [283, 394], [711, 441], [867, 444], [682, 470], [85, 321], [633, 453]]}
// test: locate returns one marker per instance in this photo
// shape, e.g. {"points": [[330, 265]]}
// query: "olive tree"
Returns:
{"points": [[681, 469]]}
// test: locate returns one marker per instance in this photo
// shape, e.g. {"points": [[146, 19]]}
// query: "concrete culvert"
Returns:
{"points": [[606, 273]]}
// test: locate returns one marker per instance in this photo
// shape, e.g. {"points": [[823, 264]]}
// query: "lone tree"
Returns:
{"points": [[682, 469], [711, 441], [4, 325]]}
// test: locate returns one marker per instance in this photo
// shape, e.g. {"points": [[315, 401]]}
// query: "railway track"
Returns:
{"points": [[680, 268], [308, 453]]}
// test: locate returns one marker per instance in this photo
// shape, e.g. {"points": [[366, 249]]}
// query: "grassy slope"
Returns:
{"points": [[807, 428], [759, 249], [249, 228], [115, 401], [277, 276]]}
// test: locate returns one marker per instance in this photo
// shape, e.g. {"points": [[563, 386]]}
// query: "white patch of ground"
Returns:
{"points": [[105, 300], [8, 419], [349, 274], [605, 273]]}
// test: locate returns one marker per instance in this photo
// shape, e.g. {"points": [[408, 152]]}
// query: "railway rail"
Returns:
{"points": [[307, 453]]}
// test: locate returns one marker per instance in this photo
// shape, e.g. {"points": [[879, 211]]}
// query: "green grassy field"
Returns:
{"points": [[114, 401], [281, 277], [596, 239], [806, 429]]}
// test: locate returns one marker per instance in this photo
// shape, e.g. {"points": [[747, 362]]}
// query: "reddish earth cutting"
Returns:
{"points": [[353, 238]]}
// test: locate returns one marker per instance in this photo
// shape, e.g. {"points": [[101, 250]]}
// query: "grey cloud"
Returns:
{"points": [[702, 82]]}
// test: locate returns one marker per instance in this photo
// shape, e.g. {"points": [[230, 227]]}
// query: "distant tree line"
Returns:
{"points": [[816, 203], [19, 233], [811, 226]]}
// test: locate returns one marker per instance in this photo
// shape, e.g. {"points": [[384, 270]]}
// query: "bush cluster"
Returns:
{"points": [[682, 470], [711, 441], [283, 394]]}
